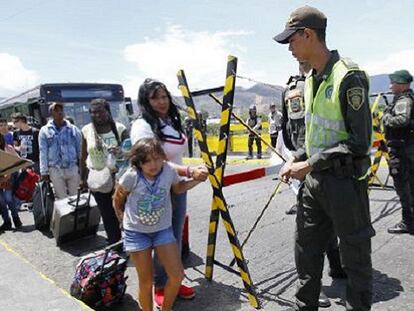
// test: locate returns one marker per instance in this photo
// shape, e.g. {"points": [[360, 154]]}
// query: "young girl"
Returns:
{"points": [[142, 202]]}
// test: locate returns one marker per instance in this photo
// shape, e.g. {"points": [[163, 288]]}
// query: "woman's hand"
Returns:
{"points": [[199, 173]]}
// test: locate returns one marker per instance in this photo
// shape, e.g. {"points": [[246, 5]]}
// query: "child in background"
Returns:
{"points": [[142, 202]]}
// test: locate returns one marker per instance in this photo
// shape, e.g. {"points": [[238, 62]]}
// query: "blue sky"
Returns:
{"points": [[125, 41]]}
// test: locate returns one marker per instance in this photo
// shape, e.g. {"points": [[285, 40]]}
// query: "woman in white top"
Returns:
{"points": [[161, 119], [101, 141]]}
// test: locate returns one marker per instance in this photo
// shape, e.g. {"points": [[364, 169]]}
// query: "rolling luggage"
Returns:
{"points": [[99, 279], [42, 208], [74, 217]]}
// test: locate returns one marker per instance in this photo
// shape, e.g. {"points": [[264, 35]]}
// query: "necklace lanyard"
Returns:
{"points": [[152, 188]]}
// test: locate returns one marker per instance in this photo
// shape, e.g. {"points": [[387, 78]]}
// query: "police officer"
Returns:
{"points": [[255, 122], [399, 133], [274, 118], [333, 165], [293, 114], [293, 131], [293, 110]]}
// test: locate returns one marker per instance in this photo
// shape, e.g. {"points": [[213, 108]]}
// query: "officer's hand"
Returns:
{"points": [[45, 178], [284, 173], [299, 170]]}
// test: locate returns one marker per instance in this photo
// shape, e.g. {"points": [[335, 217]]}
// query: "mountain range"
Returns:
{"points": [[262, 95]]}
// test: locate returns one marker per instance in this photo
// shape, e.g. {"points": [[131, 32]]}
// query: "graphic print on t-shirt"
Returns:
{"points": [[151, 206]]}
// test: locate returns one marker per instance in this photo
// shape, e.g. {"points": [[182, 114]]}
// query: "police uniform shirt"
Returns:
{"points": [[401, 109], [356, 112]]}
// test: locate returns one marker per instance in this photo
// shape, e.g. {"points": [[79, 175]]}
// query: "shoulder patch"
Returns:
{"points": [[355, 97], [401, 107]]}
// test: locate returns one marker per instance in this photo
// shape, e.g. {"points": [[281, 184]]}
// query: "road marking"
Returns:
{"points": [[43, 276]]}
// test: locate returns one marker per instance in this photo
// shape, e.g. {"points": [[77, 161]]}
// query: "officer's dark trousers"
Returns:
{"points": [[401, 166], [258, 145], [330, 205], [273, 139]]}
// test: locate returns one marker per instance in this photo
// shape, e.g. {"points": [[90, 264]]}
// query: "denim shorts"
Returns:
{"points": [[137, 241]]}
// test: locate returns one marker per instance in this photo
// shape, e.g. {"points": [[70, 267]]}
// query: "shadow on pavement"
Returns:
{"points": [[389, 208], [385, 287], [84, 246], [192, 260], [128, 303], [273, 287]]}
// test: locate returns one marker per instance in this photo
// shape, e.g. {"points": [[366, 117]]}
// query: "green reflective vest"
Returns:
{"points": [[325, 124]]}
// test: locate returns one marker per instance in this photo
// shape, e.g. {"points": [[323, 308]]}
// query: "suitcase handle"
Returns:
{"points": [[78, 199]]}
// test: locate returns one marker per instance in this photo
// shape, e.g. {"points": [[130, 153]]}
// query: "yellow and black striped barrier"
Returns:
{"points": [[382, 150], [216, 173]]}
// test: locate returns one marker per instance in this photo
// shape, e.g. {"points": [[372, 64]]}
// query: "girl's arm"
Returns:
{"points": [[184, 185], [199, 172], [118, 201]]}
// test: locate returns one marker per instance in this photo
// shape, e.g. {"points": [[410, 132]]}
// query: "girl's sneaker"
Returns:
{"points": [[186, 292], [158, 297]]}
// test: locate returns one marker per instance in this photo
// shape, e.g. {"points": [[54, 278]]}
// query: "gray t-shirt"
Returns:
{"points": [[148, 207]]}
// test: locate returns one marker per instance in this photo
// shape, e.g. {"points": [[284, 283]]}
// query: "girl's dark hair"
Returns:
{"points": [[148, 89], [143, 148], [103, 102]]}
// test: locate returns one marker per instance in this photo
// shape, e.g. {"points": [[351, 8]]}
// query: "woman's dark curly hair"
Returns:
{"points": [[148, 90], [143, 148]]}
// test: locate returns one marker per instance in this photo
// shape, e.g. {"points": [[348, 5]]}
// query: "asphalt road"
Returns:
{"points": [[269, 253]]}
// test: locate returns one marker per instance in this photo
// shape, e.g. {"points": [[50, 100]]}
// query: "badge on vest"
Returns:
{"points": [[329, 91], [355, 97]]}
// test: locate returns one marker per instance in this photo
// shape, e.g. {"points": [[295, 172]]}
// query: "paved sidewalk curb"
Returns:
{"points": [[22, 287]]}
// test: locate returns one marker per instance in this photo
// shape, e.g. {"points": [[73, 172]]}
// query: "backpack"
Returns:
{"points": [[99, 279], [25, 184]]}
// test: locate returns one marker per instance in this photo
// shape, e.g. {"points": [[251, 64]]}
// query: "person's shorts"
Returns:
{"points": [[137, 241]]}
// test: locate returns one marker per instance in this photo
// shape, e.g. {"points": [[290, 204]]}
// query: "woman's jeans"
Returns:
{"points": [[6, 199], [179, 204]]}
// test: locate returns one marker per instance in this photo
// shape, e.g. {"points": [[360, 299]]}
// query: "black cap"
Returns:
{"points": [[301, 18], [401, 77]]}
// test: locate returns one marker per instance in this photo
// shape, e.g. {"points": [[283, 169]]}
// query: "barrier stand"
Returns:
{"points": [[219, 205], [382, 150]]}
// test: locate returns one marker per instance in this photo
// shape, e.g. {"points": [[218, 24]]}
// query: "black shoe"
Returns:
{"points": [[249, 157], [259, 156], [324, 301], [17, 222], [399, 228], [7, 225], [293, 209]]}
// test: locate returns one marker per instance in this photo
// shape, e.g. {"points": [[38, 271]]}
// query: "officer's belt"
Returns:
{"points": [[349, 166]]}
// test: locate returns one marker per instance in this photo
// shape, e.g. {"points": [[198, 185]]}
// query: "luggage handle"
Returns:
{"points": [[78, 198], [75, 225], [107, 250]]}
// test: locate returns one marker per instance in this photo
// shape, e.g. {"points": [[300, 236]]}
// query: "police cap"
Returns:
{"points": [[401, 77], [301, 18]]}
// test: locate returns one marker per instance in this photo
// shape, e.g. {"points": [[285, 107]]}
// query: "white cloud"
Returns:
{"points": [[395, 61], [202, 56], [14, 77]]}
